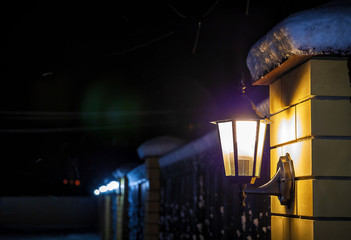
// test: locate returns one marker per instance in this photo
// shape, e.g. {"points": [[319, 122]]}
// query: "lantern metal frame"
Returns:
{"points": [[236, 178]]}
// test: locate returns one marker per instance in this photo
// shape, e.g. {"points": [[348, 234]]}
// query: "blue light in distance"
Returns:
{"points": [[96, 192], [113, 185], [103, 189]]}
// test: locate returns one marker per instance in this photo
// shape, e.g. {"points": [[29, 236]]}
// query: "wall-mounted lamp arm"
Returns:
{"points": [[281, 185]]}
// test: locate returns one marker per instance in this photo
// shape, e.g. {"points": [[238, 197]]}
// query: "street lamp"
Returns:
{"points": [[114, 187], [111, 187], [242, 143], [103, 189]]}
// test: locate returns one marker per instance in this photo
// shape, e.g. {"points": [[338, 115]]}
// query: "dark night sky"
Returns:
{"points": [[84, 84]]}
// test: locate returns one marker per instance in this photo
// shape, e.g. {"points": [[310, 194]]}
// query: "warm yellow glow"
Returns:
{"points": [[283, 130], [286, 126], [261, 137], [301, 153], [245, 138], [253, 179], [303, 119], [227, 143]]}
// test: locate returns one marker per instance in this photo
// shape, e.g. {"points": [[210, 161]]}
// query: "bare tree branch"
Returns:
{"points": [[197, 37], [143, 44], [176, 11], [210, 9]]}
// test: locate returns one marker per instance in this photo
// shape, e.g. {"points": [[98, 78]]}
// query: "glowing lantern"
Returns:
{"points": [[242, 144]]}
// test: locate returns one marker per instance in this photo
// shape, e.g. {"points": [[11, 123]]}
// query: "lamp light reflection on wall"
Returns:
{"points": [[96, 192], [242, 143]]}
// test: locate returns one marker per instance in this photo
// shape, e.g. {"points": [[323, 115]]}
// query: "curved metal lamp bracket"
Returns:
{"points": [[281, 185]]}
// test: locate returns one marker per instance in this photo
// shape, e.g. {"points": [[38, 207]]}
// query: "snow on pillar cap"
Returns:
{"points": [[159, 146], [325, 30]]}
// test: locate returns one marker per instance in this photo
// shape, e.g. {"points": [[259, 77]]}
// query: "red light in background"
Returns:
{"points": [[65, 181], [77, 182]]}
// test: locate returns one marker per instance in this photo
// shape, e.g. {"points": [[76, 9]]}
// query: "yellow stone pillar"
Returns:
{"points": [[151, 151], [107, 218], [152, 201], [311, 113], [122, 214]]}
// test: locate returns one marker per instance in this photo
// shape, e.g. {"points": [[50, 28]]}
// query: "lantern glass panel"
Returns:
{"points": [[227, 144], [260, 145], [246, 140]]}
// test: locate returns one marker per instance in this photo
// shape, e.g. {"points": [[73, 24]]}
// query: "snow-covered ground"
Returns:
{"points": [[325, 30]]}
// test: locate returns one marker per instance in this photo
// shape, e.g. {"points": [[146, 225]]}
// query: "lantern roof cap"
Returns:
{"points": [[324, 30]]}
